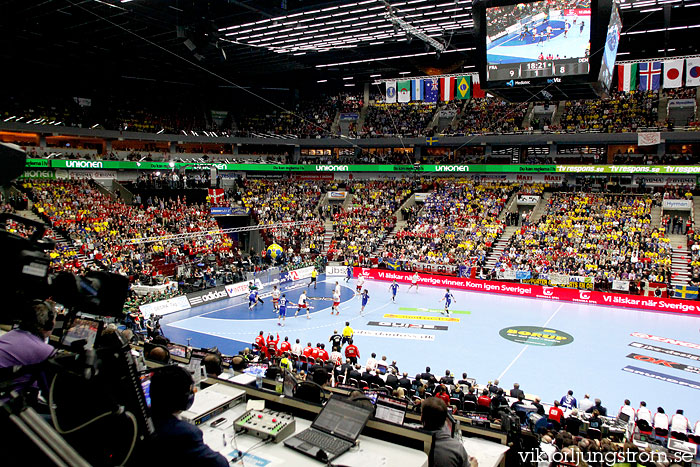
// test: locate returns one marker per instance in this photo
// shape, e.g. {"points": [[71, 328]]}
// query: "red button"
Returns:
{"points": [[274, 420], [259, 416]]}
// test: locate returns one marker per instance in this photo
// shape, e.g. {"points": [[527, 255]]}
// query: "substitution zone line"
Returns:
{"points": [[422, 318]]}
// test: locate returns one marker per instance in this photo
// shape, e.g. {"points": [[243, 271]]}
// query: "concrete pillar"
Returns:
{"points": [[172, 147], [42, 140], [234, 149], [552, 150], [417, 152], [297, 154], [365, 94]]}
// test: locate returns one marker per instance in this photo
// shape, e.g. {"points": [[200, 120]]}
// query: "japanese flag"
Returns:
{"points": [[673, 73]]}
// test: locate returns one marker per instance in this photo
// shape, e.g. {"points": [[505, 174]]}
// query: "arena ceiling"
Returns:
{"points": [[284, 43]]}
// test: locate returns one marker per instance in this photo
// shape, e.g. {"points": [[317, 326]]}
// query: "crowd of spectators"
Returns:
{"points": [[622, 112], [360, 228], [605, 237], [457, 225], [287, 200], [408, 119], [489, 115], [100, 226]]}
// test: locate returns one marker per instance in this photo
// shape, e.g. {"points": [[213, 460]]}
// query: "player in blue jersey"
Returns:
{"points": [[282, 307], [348, 273], [252, 299], [449, 298], [365, 299], [394, 287]]}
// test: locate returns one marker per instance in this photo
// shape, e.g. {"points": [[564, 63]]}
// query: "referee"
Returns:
{"points": [[347, 332]]}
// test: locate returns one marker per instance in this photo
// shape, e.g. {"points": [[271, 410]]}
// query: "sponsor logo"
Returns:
{"points": [[536, 335], [666, 363], [235, 290], [299, 274], [389, 324], [335, 270], [394, 335], [38, 174], [452, 168], [84, 164], [165, 307], [666, 340], [422, 318], [548, 290], [212, 296], [584, 294], [662, 377], [331, 168], [675, 353]]}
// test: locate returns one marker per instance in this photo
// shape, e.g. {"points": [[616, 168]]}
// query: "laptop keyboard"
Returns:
{"points": [[324, 441]]}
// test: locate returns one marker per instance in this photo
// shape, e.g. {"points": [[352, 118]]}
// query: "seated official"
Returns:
{"points": [[175, 441], [26, 345], [447, 451]]}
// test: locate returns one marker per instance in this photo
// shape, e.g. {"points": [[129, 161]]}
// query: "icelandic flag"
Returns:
{"points": [[416, 89], [649, 76], [431, 90], [692, 72]]}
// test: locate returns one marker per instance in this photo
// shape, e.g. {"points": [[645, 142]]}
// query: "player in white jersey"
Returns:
{"points": [[414, 281], [360, 283], [337, 288], [336, 303], [275, 299], [303, 305]]}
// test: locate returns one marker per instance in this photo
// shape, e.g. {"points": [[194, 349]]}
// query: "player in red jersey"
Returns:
{"points": [[352, 353]]}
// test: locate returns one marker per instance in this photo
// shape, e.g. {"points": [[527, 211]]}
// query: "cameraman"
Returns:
{"points": [[27, 345]]}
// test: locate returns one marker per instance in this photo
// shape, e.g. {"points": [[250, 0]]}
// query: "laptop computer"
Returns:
{"points": [[334, 431], [389, 409]]}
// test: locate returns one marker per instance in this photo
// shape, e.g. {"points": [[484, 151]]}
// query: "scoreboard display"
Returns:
{"points": [[538, 69], [551, 49]]}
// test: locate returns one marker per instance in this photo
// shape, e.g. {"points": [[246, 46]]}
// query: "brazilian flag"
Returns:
{"points": [[464, 87]]}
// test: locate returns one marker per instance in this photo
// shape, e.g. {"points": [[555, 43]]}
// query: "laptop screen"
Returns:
{"points": [[390, 409], [623, 417], [343, 419]]}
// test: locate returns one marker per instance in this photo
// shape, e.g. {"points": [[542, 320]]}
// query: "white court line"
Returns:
{"points": [[526, 346]]}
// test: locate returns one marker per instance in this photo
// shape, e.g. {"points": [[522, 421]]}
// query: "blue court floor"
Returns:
{"points": [[599, 355]]}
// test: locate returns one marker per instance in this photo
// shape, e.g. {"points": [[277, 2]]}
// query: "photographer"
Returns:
{"points": [[27, 345]]}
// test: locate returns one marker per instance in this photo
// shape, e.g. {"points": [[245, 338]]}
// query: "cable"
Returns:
{"points": [[241, 454], [131, 417], [54, 419]]}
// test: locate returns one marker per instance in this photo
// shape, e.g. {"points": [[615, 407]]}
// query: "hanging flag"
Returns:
{"points": [[692, 72], [648, 138], [649, 76], [655, 289], [431, 90], [447, 89], [464, 87], [476, 87], [216, 195], [673, 73], [416, 89], [404, 91], [390, 92], [686, 291], [627, 77]]}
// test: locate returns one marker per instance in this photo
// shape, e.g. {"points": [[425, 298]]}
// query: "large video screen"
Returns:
{"points": [[538, 40], [612, 39]]}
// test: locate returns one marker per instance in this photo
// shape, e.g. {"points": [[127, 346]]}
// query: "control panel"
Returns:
{"points": [[265, 424]]}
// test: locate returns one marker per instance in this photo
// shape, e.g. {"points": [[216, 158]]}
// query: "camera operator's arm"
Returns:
{"points": [[25, 346]]}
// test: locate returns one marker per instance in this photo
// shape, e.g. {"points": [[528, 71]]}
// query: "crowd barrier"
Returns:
{"points": [[536, 291]]}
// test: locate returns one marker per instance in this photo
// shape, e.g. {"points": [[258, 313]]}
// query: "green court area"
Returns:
{"points": [[435, 310]]}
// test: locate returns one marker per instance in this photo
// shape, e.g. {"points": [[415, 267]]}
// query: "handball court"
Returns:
{"points": [[548, 347]]}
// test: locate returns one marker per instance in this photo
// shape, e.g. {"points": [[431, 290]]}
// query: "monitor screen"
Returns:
{"points": [[390, 409], [177, 350], [256, 369], [82, 329], [371, 395], [612, 39], [538, 40], [146, 386], [381, 369]]}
